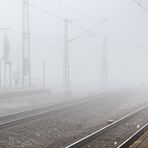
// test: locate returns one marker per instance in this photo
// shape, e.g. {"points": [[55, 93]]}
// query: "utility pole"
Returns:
{"points": [[10, 74], [0, 74], [6, 52], [105, 63], [43, 74], [66, 56], [26, 63], [67, 91]]}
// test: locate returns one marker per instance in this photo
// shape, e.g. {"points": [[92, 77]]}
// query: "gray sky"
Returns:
{"points": [[125, 28]]}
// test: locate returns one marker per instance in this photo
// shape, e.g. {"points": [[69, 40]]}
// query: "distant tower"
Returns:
{"points": [[44, 74], [6, 57], [26, 64], [0, 74], [105, 63], [6, 52], [66, 63]]}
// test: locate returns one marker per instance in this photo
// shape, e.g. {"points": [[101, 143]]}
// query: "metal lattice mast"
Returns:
{"points": [[26, 65], [6, 52], [44, 71], [66, 62], [5, 57], [0, 75]]}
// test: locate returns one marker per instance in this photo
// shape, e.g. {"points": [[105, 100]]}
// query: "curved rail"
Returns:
{"points": [[97, 133], [134, 137], [40, 111]]}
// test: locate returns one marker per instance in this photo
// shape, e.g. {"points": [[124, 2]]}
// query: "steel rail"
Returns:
{"points": [[101, 131], [41, 111], [134, 137]]}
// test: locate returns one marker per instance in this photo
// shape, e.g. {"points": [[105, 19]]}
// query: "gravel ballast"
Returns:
{"points": [[68, 125]]}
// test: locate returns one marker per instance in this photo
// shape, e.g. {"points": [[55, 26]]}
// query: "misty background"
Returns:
{"points": [[125, 28]]}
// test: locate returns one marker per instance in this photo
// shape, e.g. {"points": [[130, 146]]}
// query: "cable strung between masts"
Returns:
{"points": [[45, 11], [91, 18], [140, 5]]}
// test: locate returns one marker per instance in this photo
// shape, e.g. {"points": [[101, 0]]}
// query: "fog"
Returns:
{"points": [[72, 69], [122, 22]]}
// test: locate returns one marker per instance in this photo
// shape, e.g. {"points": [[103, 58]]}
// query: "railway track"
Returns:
{"points": [[98, 136], [21, 117], [134, 137], [41, 111], [31, 114]]}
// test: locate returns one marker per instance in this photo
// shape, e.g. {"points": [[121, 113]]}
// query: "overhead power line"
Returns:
{"points": [[71, 21], [140, 5], [59, 17], [45, 11], [91, 18], [86, 31]]}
